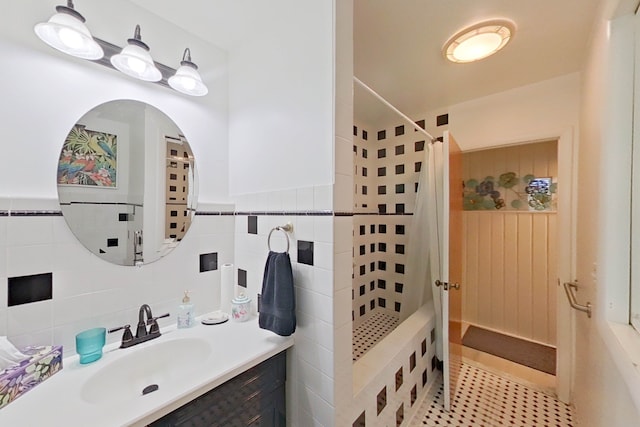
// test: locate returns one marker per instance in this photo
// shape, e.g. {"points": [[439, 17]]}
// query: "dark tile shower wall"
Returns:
{"points": [[377, 284], [386, 174]]}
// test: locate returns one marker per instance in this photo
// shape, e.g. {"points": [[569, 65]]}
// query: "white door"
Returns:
{"points": [[451, 268]]}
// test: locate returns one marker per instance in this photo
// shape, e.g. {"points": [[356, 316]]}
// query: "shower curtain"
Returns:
{"points": [[424, 246]]}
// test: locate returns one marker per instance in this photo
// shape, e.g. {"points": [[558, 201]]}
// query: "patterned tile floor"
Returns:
{"points": [[487, 400], [371, 331]]}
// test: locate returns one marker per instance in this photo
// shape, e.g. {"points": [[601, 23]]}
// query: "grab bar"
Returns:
{"points": [[568, 288]]}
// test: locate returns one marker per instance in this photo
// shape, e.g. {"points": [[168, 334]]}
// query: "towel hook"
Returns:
{"points": [[286, 229]]}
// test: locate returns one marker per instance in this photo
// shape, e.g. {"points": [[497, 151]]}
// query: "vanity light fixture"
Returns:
{"points": [[479, 41], [67, 32], [187, 79], [135, 60]]}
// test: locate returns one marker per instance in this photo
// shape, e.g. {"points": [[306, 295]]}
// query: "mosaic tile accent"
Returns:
{"points": [[442, 120], [510, 192], [414, 394], [400, 415], [252, 224], [242, 278], [376, 327], [208, 262], [381, 400], [486, 399], [305, 252], [28, 289], [399, 378]]}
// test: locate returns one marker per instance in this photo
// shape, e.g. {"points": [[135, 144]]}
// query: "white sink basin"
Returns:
{"points": [[161, 364]]}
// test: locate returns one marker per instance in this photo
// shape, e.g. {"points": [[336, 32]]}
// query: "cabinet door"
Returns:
{"points": [[255, 397]]}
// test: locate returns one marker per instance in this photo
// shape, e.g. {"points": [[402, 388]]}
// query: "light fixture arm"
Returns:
{"points": [[137, 39], [186, 59], [70, 10]]}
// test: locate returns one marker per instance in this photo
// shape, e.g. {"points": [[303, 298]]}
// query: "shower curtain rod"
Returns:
{"points": [[400, 113]]}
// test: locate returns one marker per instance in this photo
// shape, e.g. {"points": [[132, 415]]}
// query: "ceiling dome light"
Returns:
{"points": [[66, 32], [187, 79], [479, 41], [135, 60]]}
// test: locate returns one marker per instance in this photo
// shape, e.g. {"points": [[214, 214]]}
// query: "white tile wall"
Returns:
{"points": [[408, 157], [311, 362], [88, 291], [377, 369]]}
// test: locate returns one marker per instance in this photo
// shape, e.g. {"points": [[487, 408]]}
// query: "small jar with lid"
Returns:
{"points": [[241, 308]]}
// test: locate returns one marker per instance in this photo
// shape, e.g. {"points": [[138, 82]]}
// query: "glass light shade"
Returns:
{"points": [[478, 41], [136, 61], [188, 81], [67, 33]]}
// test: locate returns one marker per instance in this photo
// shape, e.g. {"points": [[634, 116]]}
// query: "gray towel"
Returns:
{"points": [[277, 302]]}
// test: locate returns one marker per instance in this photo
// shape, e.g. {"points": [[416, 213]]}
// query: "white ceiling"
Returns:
{"points": [[397, 43], [397, 49]]}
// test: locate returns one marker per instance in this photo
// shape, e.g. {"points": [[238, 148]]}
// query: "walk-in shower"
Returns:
{"points": [[389, 154]]}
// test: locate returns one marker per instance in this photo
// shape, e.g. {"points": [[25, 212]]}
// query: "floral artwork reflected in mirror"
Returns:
{"points": [[88, 158]]}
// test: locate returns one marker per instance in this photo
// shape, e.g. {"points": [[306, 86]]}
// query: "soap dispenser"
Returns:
{"points": [[186, 312]]}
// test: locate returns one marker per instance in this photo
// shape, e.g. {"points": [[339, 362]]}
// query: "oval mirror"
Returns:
{"points": [[127, 182]]}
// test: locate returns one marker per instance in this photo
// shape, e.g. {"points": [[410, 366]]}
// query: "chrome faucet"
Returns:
{"points": [[142, 334]]}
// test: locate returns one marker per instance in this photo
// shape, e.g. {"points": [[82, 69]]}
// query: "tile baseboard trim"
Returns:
{"points": [[295, 213], [24, 213], [44, 213]]}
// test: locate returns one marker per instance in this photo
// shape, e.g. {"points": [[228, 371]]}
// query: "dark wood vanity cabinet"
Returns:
{"points": [[256, 397]]}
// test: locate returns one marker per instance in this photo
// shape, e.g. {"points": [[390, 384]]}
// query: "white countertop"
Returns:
{"points": [[58, 400]]}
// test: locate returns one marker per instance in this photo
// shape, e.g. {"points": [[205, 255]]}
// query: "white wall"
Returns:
{"points": [[280, 95], [281, 144], [281, 111], [43, 94], [604, 392], [532, 112]]}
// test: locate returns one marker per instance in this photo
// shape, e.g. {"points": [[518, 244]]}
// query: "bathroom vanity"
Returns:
{"points": [[230, 374], [255, 397]]}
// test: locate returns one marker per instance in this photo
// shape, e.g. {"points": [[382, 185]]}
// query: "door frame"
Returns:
{"points": [[567, 157]]}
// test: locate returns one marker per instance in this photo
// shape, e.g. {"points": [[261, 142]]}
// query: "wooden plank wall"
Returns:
{"points": [[510, 258]]}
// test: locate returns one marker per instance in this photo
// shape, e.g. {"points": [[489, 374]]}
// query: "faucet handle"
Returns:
{"points": [[155, 329], [127, 335]]}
